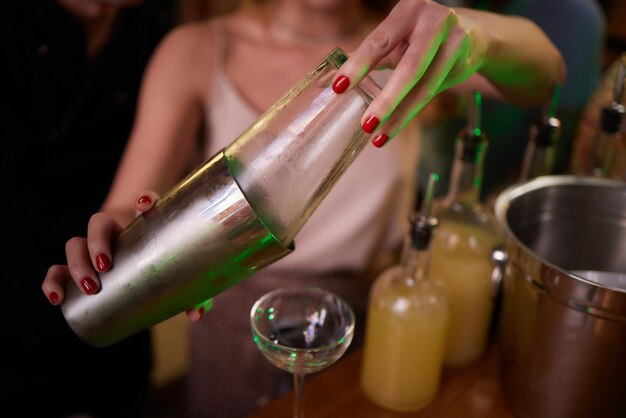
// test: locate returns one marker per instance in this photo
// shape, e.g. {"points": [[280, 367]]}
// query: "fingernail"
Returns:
{"points": [[370, 124], [88, 285], [341, 84], [145, 199], [201, 312], [53, 297], [102, 262], [380, 140]]}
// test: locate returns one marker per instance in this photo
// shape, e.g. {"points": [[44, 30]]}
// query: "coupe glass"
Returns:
{"points": [[302, 331]]}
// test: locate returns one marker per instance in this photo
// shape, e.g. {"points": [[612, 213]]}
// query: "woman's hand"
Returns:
{"points": [[433, 47], [86, 257]]}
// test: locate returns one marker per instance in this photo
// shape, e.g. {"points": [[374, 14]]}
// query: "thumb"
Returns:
{"points": [[145, 202], [197, 312]]}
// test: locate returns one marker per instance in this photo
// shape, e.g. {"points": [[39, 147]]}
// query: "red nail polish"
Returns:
{"points": [[53, 297], [341, 84], [201, 312], [88, 285], [102, 262], [145, 199], [370, 124], [380, 140]]}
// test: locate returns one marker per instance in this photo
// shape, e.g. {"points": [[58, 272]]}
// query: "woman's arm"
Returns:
{"points": [[521, 64], [163, 142], [160, 151], [433, 48]]}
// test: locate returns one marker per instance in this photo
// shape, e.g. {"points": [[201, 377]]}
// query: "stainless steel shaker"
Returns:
{"points": [[199, 240]]}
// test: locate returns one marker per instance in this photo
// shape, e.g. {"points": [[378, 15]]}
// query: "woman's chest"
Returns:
{"points": [[263, 75]]}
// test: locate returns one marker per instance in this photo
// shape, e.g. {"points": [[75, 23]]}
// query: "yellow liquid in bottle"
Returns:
{"points": [[404, 343], [461, 259]]}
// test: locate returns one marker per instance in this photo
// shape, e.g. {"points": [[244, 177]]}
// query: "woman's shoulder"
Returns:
{"points": [[192, 46], [198, 39], [183, 60], [190, 38], [249, 25]]}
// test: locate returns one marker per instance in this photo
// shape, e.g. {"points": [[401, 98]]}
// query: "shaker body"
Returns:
{"points": [[199, 240]]}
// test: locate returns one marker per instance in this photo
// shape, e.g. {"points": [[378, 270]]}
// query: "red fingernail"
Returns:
{"points": [[380, 140], [370, 124], [102, 262], [201, 312], [341, 84], [88, 285], [53, 297], [145, 199]]}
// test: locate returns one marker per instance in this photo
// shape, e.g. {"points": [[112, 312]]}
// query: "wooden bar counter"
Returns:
{"points": [[473, 391]]}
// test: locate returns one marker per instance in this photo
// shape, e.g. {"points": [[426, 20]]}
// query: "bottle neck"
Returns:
{"points": [[537, 162], [415, 262], [467, 173], [603, 155], [539, 157]]}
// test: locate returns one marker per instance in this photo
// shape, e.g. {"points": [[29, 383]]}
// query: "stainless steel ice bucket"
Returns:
{"points": [[563, 334], [200, 239]]}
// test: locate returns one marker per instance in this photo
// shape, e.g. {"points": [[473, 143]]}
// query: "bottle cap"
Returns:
{"points": [[547, 133], [612, 115], [472, 141], [422, 223]]}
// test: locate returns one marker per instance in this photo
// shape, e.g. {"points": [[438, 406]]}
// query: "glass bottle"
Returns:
{"points": [[618, 167], [608, 139], [233, 215], [543, 138], [289, 160], [582, 155], [462, 247], [407, 320]]}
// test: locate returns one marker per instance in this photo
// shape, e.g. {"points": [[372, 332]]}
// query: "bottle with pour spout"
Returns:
{"points": [[463, 244], [543, 138], [233, 215], [407, 321], [616, 163], [608, 140]]}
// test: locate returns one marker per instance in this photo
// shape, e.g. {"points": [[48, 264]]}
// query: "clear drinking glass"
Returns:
{"points": [[292, 156], [302, 331]]}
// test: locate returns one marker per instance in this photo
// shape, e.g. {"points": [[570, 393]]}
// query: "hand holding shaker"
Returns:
{"points": [[235, 214]]}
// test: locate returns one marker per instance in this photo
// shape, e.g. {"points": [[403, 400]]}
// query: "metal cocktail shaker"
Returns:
{"points": [[235, 214], [199, 240]]}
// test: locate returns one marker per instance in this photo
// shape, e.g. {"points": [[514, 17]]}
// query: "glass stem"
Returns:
{"points": [[298, 395]]}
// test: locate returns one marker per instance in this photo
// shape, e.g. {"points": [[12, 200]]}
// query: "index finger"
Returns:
{"points": [[53, 285], [384, 39], [102, 229], [145, 202]]}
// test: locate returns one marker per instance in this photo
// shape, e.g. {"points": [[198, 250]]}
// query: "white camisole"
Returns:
{"points": [[363, 217]]}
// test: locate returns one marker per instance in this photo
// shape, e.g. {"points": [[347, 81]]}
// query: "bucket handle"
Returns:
{"points": [[499, 258]]}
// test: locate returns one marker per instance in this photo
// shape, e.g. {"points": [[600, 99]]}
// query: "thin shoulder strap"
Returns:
{"points": [[219, 54], [216, 83], [218, 58]]}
